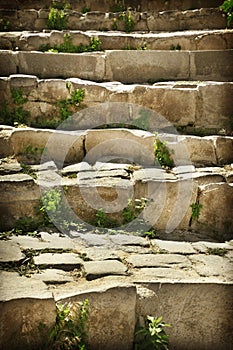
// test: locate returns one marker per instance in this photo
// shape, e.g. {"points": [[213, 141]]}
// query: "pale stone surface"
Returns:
{"points": [[122, 239], [146, 275], [97, 269], [98, 253], [47, 241], [158, 260], [53, 276], [10, 168], [10, 251], [202, 247], [174, 247], [213, 265], [24, 306], [64, 261], [75, 168]]}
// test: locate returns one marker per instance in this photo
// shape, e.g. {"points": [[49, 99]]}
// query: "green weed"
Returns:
{"points": [[196, 210], [175, 47], [152, 336], [128, 21], [227, 9], [133, 209], [118, 6], [69, 331], [68, 47], [217, 251], [57, 18], [4, 25], [75, 99], [162, 153]]}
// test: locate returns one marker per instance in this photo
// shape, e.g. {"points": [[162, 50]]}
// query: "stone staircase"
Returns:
{"points": [[127, 150]]}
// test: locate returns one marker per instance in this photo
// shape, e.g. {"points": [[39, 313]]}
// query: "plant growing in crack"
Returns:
{"points": [[152, 335], [196, 210], [70, 329], [162, 153]]}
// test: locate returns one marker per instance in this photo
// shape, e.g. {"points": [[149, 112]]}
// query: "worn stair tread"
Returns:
{"points": [[184, 40], [136, 66], [171, 20]]}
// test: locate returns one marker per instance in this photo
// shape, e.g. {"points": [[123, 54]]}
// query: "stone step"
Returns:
{"points": [[84, 189], [204, 18], [126, 66], [130, 276], [201, 107], [106, 6], [220, 39], [32, 146]]}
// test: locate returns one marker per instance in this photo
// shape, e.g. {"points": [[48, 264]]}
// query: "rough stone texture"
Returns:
{"points": [[96, 269], [220, 39], [132, 145], [158, 260], [224, 149], [47, 241], [24, 307], [9, 62], [215, 65], [53, 276], [5, 145], [60, 146], [49, 65], [64, 261], [174, 247], [146, 275], [141, 66], [19, 198], [212, 265], [217, 210], [191, 304], [108, 309], [9, 251]]}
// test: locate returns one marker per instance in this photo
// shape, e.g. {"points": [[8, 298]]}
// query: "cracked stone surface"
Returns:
{"points": [[64, 261], [174, 247], [96, 269]]}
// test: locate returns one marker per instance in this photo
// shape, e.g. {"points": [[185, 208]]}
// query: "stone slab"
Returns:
{"points": [[97, 269], [47, 241], [141, 66], [24, 306], [64, 261], [174, 247], [213, 265], [211, 65], [129, 240], [10, 251], [158, 260], [150, 275], [53, 276]]}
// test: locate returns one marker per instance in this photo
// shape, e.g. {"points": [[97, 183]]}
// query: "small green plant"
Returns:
{"points": [[133, 209], [57, 18], [4, 25], [227, 8], [68, 46], [26, 224], [152, 336], [51, 204], [75, 99], [115, 24], [16, 114], [175, 47], [86, 9], [26, 169], [103, 220], [128, 21], [70, 329], [33, 152], [217, 251], [162, 153], [196, 210], [150, 234]]}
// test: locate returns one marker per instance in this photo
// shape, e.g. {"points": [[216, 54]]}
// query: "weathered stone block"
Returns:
{"points": [[48, 65], [211, 65], [217, 210], [108, 309], [9, 62], [24, 311], [224, 149], [191, 304], [131, 145], [141, 66]]}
